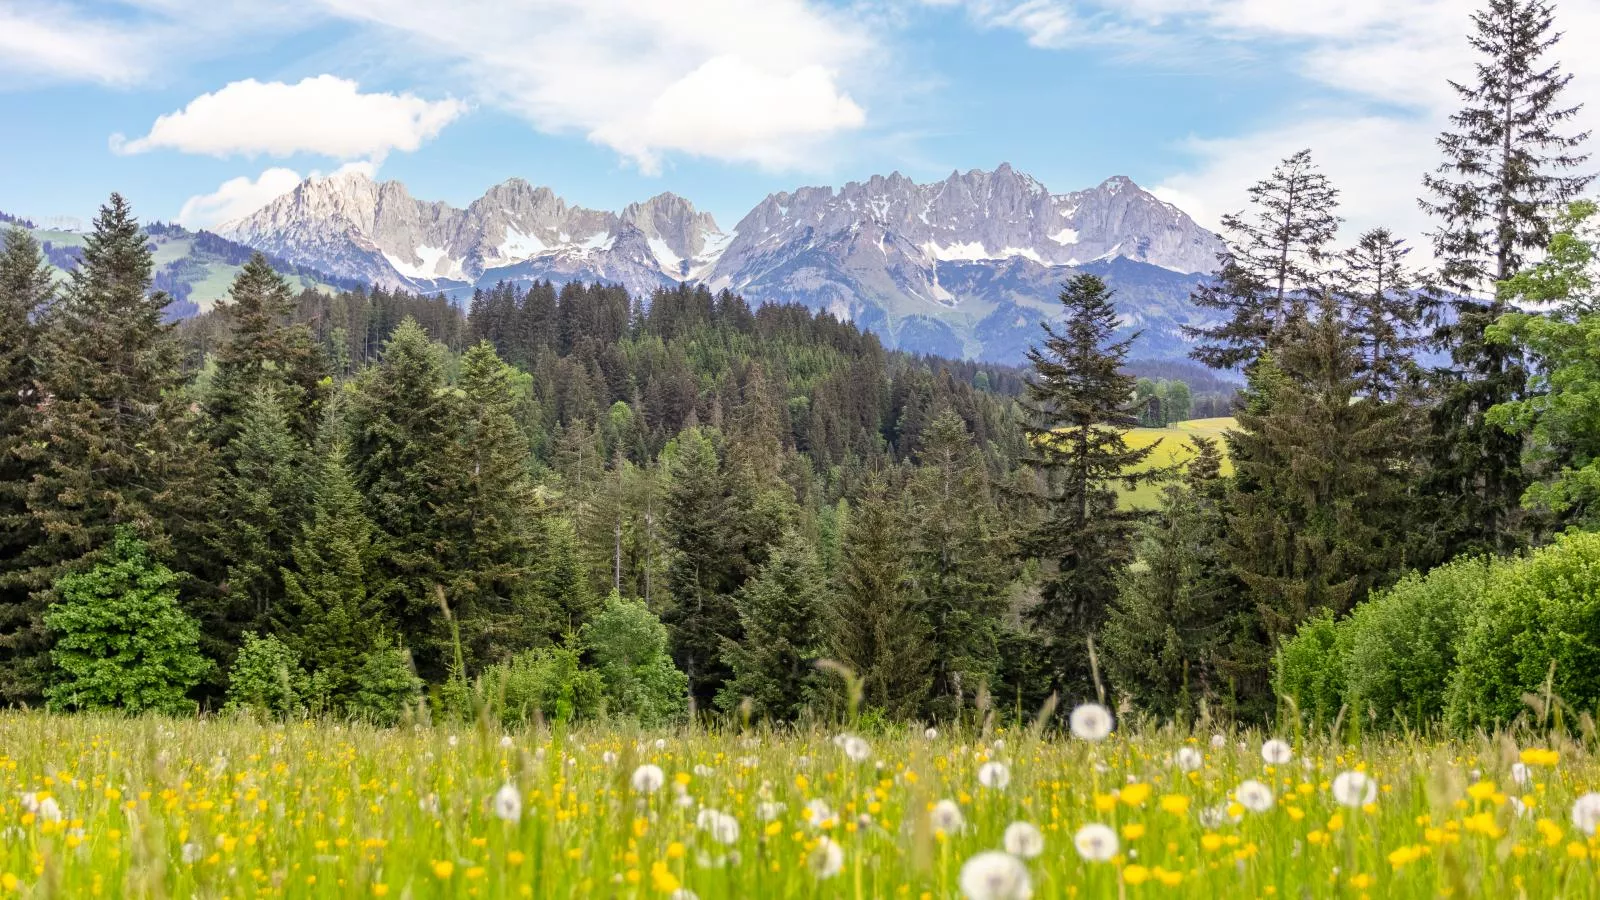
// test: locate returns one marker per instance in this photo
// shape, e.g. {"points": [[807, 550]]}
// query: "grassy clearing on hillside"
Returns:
{"points": [[155, 807], [1176, 446]]}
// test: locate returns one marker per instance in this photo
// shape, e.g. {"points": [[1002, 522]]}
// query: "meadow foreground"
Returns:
{"points": [[168, 808]]}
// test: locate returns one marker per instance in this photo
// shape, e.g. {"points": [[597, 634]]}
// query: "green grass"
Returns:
{"points": [[1176, 447], [214, 808]]}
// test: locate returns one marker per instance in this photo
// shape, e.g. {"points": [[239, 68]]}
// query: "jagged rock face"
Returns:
{"points": [[951, 266], [350, 225]]}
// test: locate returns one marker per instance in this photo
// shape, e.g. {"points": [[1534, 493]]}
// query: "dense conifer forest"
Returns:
{"points": [[571, 502]]}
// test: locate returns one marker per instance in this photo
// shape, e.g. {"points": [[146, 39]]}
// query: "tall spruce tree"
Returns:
{"points": [[1274, 259], [264, 492], [780, 615], [109, 435], [1179, 610], [26, 291], [1317, 516], [1384, 306], [1511, 159], [701, 576], [329, 615], [265, 349], [399, 421], [486, 521], [877, 621], [1077, 404], [959, 560]]}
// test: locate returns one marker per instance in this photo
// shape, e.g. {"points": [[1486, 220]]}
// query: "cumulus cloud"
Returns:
{"points": [[325, 115], [723, 79], [237, 197]]}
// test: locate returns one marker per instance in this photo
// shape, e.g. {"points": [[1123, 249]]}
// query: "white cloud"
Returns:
{"points": [[47, 43], [237, 197], [629, 74], [324, 115], [1044, 23]]}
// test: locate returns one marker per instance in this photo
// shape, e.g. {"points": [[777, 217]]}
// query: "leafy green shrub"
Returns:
{"points": [[547, 681], [1400, 646], [1311, 668], [122, 641], [386, 686], [1537, 613], [266, 678], [628, 644]]}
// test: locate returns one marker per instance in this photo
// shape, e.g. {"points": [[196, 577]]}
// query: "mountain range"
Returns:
{"points": [[964, 267]]}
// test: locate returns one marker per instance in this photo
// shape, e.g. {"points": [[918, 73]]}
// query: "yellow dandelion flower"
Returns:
{"points": [[443, 869], [1135, 874]]}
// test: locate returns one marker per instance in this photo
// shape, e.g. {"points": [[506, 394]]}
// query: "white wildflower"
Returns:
{"points": [[1189, 759], [1218, 742], [508, 803], [1023, 839], [1095, 842], [1521, 774], [946, 817], [1276, 752], [723, 828], [993, 875], [609, 757], [192, 853], [770, 810], [1586, 813], [931, 734], [647, 779], [1253, 795], [506, 743], [828, 859], [1091, 722], [1354, 788], [854, 747], [994, 775]]}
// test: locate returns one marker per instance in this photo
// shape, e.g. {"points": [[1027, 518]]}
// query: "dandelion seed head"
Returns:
{"points": [[946, 817], [1354, 789], [1189, 759], [827, 860], [1586, 813], [647, 779], [1090, 722], [992, 875], [1024, 840], [508, 803], [1253, 795], [1095, 842], [1276, 752], [995, 775]]}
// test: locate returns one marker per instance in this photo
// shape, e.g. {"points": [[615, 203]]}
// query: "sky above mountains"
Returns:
{"points": [[200, 111]]}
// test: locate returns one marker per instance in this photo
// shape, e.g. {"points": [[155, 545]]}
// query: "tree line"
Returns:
{"points": [[572, 502]]}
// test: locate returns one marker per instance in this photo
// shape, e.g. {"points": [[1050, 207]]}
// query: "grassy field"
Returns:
{"points": [[162, 808], [1176, 447]]}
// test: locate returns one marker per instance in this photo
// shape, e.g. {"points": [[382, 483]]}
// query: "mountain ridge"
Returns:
{"points": [[925, 265]]}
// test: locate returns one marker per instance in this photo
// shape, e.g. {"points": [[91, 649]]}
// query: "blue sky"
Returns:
{"points": [[203, 110]]}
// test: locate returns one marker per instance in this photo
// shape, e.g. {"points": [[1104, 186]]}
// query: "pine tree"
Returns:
{"points": [[1509, 164], [26, 292], [265, 349], [700, 577], [399, 425], [1317, 518], [329, 616], [1178, 610], [780, 613], [959, 559], [878, 622], [1077, 403], [1384, 306], [487, 533], [110, 434], [1274, 259], [264, 496]]}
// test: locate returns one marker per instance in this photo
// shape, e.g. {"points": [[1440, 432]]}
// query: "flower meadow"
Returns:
{"points": [[232, 808]]}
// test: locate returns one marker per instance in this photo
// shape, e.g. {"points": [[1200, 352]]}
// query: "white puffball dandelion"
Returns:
{"points": [[609, 757], [49, 810], [1212, 816], [1095, 842], [1354, 788], [827, 860], [1276, 752], [854, 747], [647, 779], [192, 853], [723, 828], [506, 743], [1189, 759], [994, 775], [769, 810], [1218, 742], [992, 875], [1586, 813], [931, 734], [1521, 775], [946, 817], [1253, 795], [820, 811], [1090, 722], [1023, 839], [508, 803]]}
